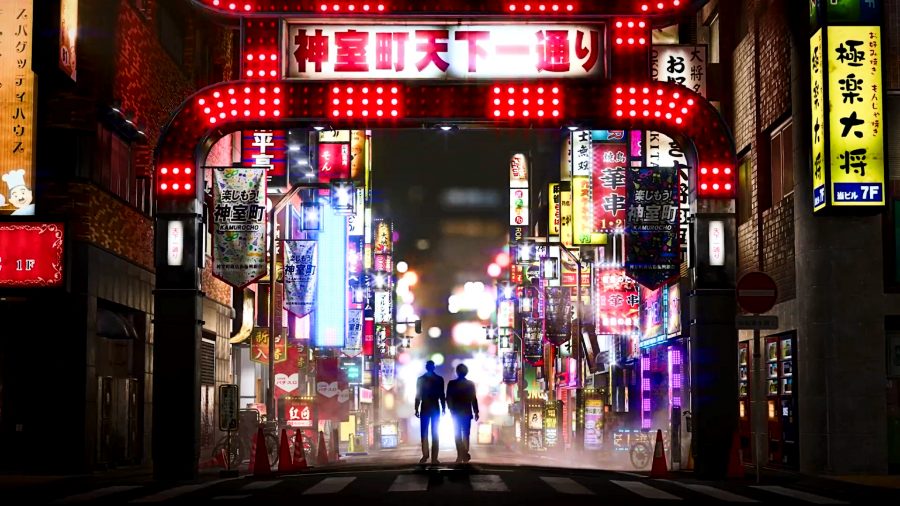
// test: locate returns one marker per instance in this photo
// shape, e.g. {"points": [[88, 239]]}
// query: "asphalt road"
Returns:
{"points": [[387, 481]]}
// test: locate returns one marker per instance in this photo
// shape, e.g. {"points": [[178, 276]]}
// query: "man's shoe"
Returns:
{"points": [[459, 460], [423, 460], [467, 458], [435, 462]]}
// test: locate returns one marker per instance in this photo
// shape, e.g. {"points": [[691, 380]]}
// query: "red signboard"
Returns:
{"points": [[266, 149], [298, 413], [334, 161], [369, 337], [31, 254], [608, 179], [756, 292], [618, 303]]}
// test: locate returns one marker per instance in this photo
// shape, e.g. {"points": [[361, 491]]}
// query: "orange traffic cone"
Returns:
{"points": [[322, 455], [259, 459], [299, 452], [735, 464], [659, 469], [285, 464]]}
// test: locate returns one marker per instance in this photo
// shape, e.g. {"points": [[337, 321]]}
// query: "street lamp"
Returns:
{"points": [[311, 213], [342, 196]]}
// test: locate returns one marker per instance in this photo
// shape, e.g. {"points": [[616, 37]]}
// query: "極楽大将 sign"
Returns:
{"points": [[443, 51], [847, 117]]}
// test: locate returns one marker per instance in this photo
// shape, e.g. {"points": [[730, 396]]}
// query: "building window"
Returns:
{"points": [[744, 191], [114, 171], [782, 148]]}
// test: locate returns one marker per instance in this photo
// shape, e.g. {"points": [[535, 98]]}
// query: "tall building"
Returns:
{"points": [[831, 401], [100, 80]]}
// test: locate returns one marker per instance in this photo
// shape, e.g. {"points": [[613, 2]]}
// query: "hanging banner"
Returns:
{"points": [[383, 307], [383, 238], [300, 276], [387, 373], [608, 186], [17, 106], [680, 64], [534, 349], [298, 412], [568, 275], [518, 171], [239, 237], [68, 36], [617, 303], [817, 123], [287, 372], [653, 311], [266, 149], [673, 313], [565, 218], [332, 391], [652, 253], [855, 117], [518, 207], [353, 344], [510, 367], [581, 153], [259, 345], [334, 161], [559, 315], [555, 212]]}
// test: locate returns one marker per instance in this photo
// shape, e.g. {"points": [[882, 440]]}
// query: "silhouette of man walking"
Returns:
{"points": [[430, 404], [463, 404]]}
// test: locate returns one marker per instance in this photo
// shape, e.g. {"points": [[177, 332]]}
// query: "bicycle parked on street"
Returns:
{"points": [[237, 445]]}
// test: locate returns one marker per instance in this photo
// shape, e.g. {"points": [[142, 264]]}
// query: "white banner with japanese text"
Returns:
{"points": [[300, 276], [239, 236], [442, 51]]}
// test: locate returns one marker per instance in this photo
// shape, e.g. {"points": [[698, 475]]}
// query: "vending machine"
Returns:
{"points": [[781, 393]]}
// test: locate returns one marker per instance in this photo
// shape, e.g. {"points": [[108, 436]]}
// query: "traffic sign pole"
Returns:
{"points": [[757, 293]]}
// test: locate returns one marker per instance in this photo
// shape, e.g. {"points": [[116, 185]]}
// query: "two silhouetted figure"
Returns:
{"points": [[461, 400]]}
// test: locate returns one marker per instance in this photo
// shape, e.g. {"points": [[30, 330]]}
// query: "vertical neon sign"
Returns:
{"points": [[331, 295]]}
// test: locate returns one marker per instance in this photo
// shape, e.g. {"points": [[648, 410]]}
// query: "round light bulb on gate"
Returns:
{"points": [[163, 187], [175, 186], [187, 186]]}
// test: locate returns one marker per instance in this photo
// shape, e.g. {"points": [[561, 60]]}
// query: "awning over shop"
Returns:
{"points": [[113, 325]]}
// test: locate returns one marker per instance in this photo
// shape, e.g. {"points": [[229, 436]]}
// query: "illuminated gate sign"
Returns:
{"points": [[470, 51]]}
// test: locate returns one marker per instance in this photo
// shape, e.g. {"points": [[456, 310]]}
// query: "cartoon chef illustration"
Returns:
{"points": [[20, 195]]}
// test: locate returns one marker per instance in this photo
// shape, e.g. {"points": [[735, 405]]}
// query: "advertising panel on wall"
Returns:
{"points": [[332, 390], [334, 161], [331, 296], [298, 412], [510, 362], [300, 276], [652, 254], [442, 51], [518, 171], [239, 231], [673, 313], [354, 344], [17, 105], [31, 254], [555, 218], [817, 123], [653, 315], [617, 303]]}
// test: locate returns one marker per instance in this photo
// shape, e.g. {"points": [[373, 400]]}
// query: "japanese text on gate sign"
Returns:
{"points": [[443, 52]]}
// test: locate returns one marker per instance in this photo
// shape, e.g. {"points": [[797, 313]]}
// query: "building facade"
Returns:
{"points": [[76, 363]]}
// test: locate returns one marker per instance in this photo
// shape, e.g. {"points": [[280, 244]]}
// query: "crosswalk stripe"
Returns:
{"points": [[409, 483], [717, 493], [165, 495], [566, 485], [230, 497], [487, 483], [644, 490], [330, 485], [797, 494], [95, 494], [261, 485]]}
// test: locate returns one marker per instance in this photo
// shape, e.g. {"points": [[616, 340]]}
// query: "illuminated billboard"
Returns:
{"points": [[331, 293], [847, 117]]}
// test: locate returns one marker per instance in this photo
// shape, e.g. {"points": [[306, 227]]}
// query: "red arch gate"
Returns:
{"points": [[588, 66]]}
